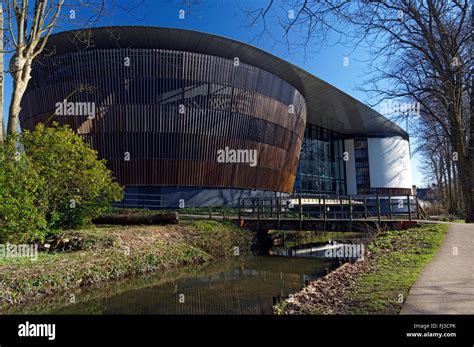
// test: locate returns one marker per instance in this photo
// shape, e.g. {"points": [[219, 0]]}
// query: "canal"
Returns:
{"points": [[242, 285]]}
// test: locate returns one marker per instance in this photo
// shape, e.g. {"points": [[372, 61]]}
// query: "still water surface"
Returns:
{"points": [[242, 285], [245, 285]]}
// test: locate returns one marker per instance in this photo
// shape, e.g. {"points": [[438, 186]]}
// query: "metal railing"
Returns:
{"points": [[324, 208], [138, 200], [304, 207]]}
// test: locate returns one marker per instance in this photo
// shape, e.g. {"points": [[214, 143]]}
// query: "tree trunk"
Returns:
{"points": [[442, 180], [14, 113], [459, 194], [451, 207], [465, 175], [465, 166], [2, 78], [468, 191], [15, 108]]}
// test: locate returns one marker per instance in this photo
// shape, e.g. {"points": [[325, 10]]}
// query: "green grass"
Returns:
{"points": [[447, 218], [400, 258], [213, 235], [397, 259]]}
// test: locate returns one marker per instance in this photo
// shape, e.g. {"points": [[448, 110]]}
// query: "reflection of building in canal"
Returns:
{"points": [[238, 291], [216, 300], [242, 285], [223, 293]]}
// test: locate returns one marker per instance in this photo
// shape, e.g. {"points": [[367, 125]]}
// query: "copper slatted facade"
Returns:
{"points": [[137, 95]]}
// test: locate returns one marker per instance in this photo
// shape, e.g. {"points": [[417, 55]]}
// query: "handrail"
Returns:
{"points": [[327, 207], [139, 200], [306, 207]]}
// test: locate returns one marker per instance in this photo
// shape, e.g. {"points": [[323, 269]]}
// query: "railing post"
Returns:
{"points": [[324, 208], [300, 207], [390, 206], [342, 207], [276, 203], [417, 207], [409, 207], [210, 211], [319, 206], [258, 214], [350, 209], [365, 207], [278, 211], [378, 208], [239, 208]]}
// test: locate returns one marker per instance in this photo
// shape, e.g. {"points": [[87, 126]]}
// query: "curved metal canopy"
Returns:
{"points": [[328, 106]]}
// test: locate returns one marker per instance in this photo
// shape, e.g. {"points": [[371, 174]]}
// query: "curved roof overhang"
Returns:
{"points": [[328, 106]]}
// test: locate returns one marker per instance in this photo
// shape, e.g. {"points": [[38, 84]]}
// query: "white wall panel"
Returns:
{"points": [[389, 162]]}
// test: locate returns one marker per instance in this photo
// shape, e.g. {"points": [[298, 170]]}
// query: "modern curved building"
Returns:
{"points": [[205, 120]]}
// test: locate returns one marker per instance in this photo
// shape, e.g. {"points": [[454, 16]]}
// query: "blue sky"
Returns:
{"points": [[226, 18]]}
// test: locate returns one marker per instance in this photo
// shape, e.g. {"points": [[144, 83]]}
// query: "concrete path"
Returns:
{"points": [[446, 285]]}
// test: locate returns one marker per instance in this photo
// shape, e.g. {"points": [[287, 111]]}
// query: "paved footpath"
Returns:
{"points": [[446, 285]]}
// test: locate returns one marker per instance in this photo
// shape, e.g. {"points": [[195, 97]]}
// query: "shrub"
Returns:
{"points": [[22, 210], [78, 186], [57, 179]]}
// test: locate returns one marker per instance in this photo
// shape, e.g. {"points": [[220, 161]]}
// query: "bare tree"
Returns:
{"points": [[421, 48], [435, 151], [29, 24], [2, 77], [28, 41]]}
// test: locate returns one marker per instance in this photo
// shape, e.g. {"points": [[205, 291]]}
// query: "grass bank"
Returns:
{"points": [[377, 285], [447, 218], [98, 255]]}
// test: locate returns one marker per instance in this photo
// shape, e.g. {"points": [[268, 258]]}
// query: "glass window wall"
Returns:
{"points": [[321, 166]]}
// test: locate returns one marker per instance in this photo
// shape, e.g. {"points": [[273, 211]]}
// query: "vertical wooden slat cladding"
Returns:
{"points": [[138, 111]]}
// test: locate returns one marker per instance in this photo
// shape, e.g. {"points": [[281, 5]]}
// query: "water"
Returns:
{"points": [[242, 285]]}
